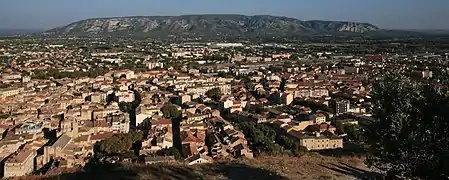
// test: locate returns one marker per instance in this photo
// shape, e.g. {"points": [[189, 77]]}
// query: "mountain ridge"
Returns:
{"points": [[211, 25]]}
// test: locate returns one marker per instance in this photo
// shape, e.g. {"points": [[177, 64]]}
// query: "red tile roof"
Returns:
{"points": [[161, 121], [190, 138], [101, 136]]}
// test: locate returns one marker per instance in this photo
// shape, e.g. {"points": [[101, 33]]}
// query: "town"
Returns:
{"points": [[69, 102]]}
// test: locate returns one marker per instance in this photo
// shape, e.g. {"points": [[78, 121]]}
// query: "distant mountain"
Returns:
{"points": [[12, 32], [210, 25]]}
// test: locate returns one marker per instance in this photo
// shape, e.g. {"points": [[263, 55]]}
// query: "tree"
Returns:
{"points": [[409, 137], [170, 152], [120, 143], [260, 137], [282, 84], [312, 105], [69, 107], [125, 107], [214, 93], [294, 57], [170, 111]]}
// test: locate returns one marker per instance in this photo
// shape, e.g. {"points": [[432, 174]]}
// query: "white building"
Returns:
{"points": [[152, 65]]}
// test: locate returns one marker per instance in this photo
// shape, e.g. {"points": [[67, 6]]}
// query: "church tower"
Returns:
{"points": [[69, 127]]}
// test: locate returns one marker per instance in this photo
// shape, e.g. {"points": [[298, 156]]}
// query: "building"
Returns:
{"points": [[125, 96], [342, 107], [142, 120], [152, 65], [20, 164], [119, 122], [286, 98], [69, 127], [225, 45], [7, 92], [55, 150], [98, 98], [127, 74], [12, 76], [427, 74], [318, 141], [198, 159], [318, 118], [29, 127], [310, 92], [201, 90], [184, 98], [321, 128]]}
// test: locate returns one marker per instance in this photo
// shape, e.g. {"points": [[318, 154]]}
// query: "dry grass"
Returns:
{"points": [[311, 167], [314, 166]]}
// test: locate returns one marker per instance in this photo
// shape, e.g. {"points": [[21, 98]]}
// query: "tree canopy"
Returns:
{"points": [[119, 143], [172, 151], [409, 136], [282, 85], [260, 137], [214, 94], [170, 111], [312, 105]]}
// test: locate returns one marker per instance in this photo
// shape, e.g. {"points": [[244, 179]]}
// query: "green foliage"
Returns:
{"points": [[119, 143], [4, 116], [216, 58], [282, 85], [260, 137], [170, 152], [294, 57], [214, 94], [410, 134], [293, 146], [312, 105], [170, 111], [126, 107], [353, 132], [256, 108]]}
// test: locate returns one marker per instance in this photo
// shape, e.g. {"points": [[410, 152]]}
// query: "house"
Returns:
{"points": [[160, 123], [20, 164], [198, 159], [318, 141], [29, 127], [56, 150], [318, 118], [142, 120], [188, 137], [321, 128], [228, 103], [11, 91], [284, 118], [286, 98]]}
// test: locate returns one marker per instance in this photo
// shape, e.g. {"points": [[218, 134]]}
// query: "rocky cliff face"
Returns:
{"points": [[211, 25]]}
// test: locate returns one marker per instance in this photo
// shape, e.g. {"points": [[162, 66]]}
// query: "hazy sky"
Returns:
{"points": [[389, 14]]}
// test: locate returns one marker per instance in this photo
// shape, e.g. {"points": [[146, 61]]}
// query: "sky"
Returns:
{"points": [[387, 14]]}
